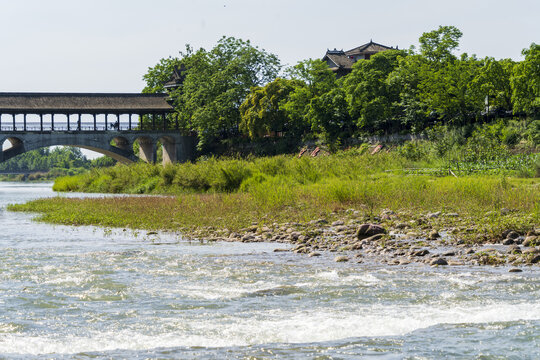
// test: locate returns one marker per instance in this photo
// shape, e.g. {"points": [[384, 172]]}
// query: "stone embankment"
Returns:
{"points": [[437, 239]]}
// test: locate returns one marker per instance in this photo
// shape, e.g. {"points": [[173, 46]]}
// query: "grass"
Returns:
{"points": [[477, 199], [235, 193]]}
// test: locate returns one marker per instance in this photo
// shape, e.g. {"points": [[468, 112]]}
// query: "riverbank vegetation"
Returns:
{"points": [[492, 187]]}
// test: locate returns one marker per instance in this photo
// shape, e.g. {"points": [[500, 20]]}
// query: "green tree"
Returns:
{"points": [[373, 101], [525, 82], [329, 117], [314, 79], [437, 45], [493, 80], [448, 90], [215, 85], [261, 111]]}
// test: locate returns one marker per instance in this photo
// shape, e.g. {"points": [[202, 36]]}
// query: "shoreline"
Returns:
{"points": [[440, 238], [401, 244]]}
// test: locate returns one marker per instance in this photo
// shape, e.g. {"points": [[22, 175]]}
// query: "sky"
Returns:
{"points": [[107, 46]]}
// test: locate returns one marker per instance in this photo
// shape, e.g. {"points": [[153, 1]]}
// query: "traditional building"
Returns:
{"points": [[176, 79], [341, 62]]}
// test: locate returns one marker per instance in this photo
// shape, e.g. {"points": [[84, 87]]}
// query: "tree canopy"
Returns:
{"points": [[236, 90]]}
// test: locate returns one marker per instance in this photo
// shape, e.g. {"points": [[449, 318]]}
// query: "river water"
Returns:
{"points": [[86, 293]]}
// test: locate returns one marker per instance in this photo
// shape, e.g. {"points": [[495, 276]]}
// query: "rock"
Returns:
{"points": [[505, 211], [434, 235], [151, 233], [514, 249], [449, 253], [512, 235], [508, 241], [433, 215], [515, 270], [455, 263], [438, 261], [368, 230], [281, 250], [295, 235], [422, 252], [321, 221], [372, 238], [534, 259], [338, 223], [530, 241], [532, 250], [357, 246], [248, 238], [341, 259], [313, 254], [452, 215]]}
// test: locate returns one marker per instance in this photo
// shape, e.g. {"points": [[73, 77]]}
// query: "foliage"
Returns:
{"points": [[215, 85], [526, 82], [233, 89], [372, 99], [261, 111]]}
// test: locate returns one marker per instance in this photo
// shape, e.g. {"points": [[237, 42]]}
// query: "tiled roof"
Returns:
{"points": [[83, 103], [369, 48]]}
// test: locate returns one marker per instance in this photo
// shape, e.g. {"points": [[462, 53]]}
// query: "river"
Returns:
{"points": [[87, 293]]}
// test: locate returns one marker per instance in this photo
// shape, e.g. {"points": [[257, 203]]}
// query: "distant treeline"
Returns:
{"points": [[237, 90], [47, 159]]}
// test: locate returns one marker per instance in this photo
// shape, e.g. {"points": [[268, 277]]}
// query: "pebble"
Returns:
{"points": [[341, 259], [515, 270]]}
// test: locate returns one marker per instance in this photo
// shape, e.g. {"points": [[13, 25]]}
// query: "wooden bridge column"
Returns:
{"points": [[95, 122], [24, 122], [79, 122], [41, 122], [67, 121], [52, 122], [106, 121], [129, 126], [13, 115]]}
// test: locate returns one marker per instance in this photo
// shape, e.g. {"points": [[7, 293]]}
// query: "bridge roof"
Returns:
{"points": [[85, 103]]}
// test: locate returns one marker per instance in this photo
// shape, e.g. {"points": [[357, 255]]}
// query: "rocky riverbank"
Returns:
{"points": [[437, 239]]}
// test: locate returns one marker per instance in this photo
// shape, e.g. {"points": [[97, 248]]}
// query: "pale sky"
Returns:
{"points": [[107, 46]]}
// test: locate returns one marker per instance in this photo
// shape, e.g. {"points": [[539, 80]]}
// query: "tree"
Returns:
{"points": [[437, 45], [313, 79], [373, 101], [493, 80], [215, 85], [525, 82], [261, 111], [448, 92], [329, 116]]}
